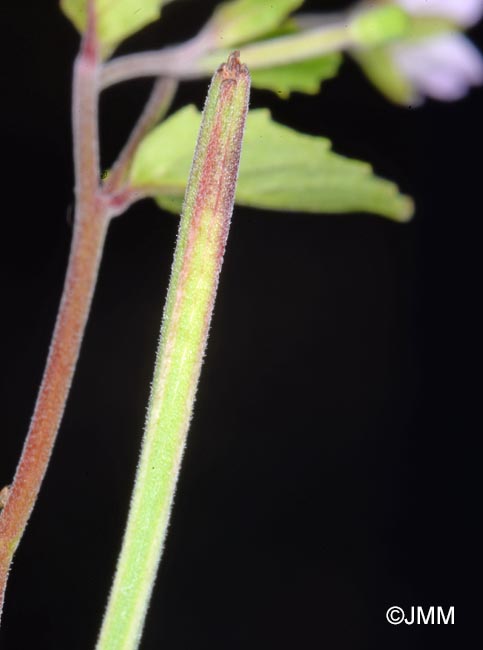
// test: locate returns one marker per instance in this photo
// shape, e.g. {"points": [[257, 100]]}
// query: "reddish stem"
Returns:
{"points": [[174, 61], [79, 285], [94, 208], [92, 218]]}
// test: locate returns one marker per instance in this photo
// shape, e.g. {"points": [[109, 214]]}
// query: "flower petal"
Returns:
{"points": [[462, 12], [443, 67]]}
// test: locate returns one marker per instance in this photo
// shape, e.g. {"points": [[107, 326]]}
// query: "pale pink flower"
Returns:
{"points": [[463, 12], [443, 66]]}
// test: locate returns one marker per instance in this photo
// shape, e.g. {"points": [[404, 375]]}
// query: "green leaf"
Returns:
{"points": [[117, 19], [240, 21], [304, 76], [281, 169]]}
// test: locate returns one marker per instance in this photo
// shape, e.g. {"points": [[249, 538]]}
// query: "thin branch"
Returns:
{"points": [[91, 223], [293, 48], [158, 104], [175, 61], [198, 58]]}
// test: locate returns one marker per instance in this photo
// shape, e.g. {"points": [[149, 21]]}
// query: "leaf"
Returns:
{"points": [[281, 169], [117, 19], [240, 21], [304, 76]]}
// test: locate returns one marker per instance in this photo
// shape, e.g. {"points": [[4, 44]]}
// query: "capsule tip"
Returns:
{"points": [[233, 69]]}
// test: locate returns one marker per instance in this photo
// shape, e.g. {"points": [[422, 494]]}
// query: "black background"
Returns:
{"points": [[333, 465]]}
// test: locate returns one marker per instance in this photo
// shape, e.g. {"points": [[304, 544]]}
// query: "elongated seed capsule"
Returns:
{"points": [[197, 263], [209, 198]]}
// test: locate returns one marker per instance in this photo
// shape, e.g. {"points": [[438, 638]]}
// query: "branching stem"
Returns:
{"points": [[95, 206], [199, 57], [158, 104], [175, 61], [91, 221]]}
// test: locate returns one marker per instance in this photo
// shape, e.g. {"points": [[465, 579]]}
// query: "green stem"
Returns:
{"points": [[201, 60], [197, 263], [289, 49], [364, 28], [358, 29]]}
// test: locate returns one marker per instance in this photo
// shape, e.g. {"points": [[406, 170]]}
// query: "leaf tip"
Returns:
{"points": [[406, 212]]}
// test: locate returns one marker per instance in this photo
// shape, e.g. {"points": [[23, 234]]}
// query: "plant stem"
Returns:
{"points": [[321, 35], [87, 244], [197, 263], [291, 49], [198, 58], [158, 104], [174, 61], [91, 221]]}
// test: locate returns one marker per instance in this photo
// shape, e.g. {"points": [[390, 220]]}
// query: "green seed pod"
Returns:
{"points": [[194, 279]]}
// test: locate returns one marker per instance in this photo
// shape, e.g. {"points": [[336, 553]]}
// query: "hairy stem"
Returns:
{"points": [[197, 264], [290, 49], [91, 222], [175, 61], [198, 58], [87, 244], [158, 104], [320, 35]]}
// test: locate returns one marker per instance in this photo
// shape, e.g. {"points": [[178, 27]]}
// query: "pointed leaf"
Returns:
{"points": [[117, 19], [240, 21], [281, 169]]}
